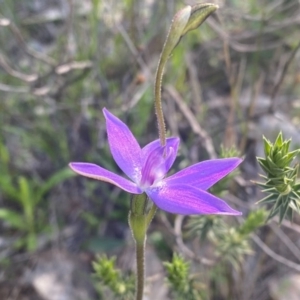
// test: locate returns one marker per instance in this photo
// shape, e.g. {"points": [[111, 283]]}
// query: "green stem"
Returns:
{"points": [[140, 269], [185, 20], [139, 221], [158, 105], [178, 24]]}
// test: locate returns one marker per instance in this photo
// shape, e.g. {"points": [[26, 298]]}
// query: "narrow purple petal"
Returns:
{"points": [[96, 172], [188, 200], [171, 151], [205, 174], [123, 146]]}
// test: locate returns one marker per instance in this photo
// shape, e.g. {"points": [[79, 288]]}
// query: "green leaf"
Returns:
{"points": [[4, 154], [14, 219], [55, 179], [26, 195], [267, 146], [279, 140], [254, 220], [291, 155], [8, 189], [268, 199], [31, 241], [283, 209]]}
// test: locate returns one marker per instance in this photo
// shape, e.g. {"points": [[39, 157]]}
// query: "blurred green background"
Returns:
{"points": [[62, 61]]}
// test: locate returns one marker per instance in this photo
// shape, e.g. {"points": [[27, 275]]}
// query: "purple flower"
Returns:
{"points": [[182, 193]]}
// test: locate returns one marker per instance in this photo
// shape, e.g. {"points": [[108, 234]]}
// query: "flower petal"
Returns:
{"points": [[96, 172], [205, 174], [123, 146], [188, 200], [171, 151]]}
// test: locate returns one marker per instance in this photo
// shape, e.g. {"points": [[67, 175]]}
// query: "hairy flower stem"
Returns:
{"points": [[158, 105], [140, 269], [178, 24], [139, 220], [188, 18]]}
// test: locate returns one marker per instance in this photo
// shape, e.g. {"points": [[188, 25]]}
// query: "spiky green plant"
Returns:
{"points": [[281, 182]]}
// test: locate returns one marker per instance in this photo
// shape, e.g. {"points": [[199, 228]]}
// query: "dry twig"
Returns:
{"points": [[286, 240], [183, 248], [282, 72], [16, 32], [274, 255], [14, 73], [206, 139]]}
